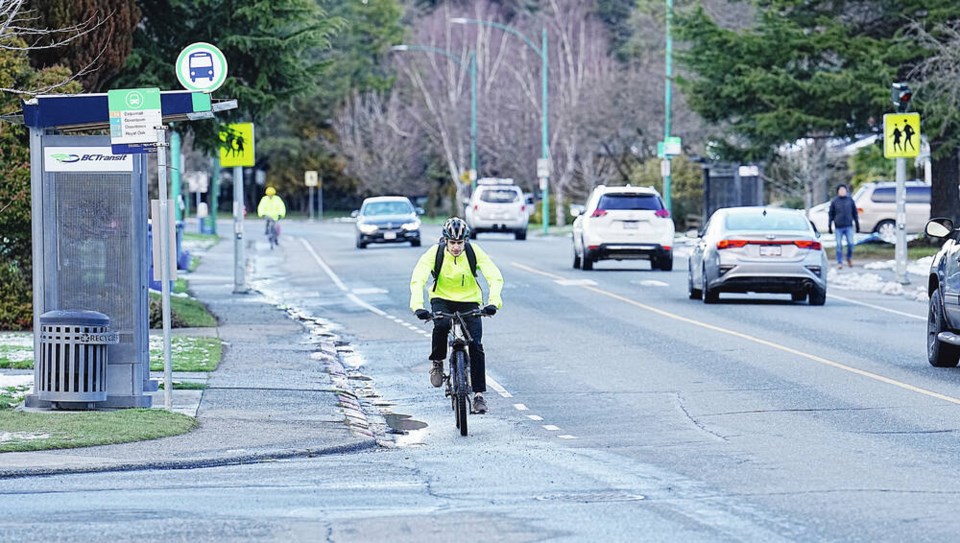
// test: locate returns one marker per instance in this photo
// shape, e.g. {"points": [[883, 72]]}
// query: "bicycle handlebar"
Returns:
{"points": [[478, 312]]}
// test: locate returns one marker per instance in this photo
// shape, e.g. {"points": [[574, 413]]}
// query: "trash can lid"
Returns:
{"points": [[61, 316]]}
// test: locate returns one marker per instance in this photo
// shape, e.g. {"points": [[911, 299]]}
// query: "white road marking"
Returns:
{"points": [[520, 407], [498, 387], [336, 280], [877, 307], [551, 428], [534, 417], [567, 436], [575, 282]]}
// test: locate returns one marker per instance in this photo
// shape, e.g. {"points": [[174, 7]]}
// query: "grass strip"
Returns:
{"points": [[186, 385], [187, 353], [25, 431], [186, 312]]}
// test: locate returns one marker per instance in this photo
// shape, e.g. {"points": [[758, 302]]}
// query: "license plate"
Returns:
{"points": [[770, 250], [631, 225], [393, 235]]}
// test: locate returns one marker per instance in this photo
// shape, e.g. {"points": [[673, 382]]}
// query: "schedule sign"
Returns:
{"points": [[134, 116]]}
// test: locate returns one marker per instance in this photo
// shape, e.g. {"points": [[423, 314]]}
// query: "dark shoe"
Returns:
{"points": [[479, 404], [849, 263], [436, 373]]}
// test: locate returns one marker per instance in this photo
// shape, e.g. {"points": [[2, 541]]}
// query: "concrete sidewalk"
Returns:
{"points": [[278, 393]]}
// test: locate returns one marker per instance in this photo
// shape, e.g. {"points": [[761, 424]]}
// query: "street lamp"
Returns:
{"points": [[544, 172], [473, 98], [668, 83]]}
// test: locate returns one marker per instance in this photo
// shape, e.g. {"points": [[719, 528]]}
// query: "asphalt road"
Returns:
{"points": [[619, 410]]}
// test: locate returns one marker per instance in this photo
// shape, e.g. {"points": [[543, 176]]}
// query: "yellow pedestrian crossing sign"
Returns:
{"points": [[901, 135], [236, 145]]}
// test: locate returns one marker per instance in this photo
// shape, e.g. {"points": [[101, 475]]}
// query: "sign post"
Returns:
{"points": [[901, 140], [237, 150], [310, 179]]}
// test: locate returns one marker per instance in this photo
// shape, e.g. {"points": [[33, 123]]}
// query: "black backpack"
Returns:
{"points": [[438, 263]]}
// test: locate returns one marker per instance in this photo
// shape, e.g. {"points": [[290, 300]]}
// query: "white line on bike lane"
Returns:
{"points": [[377, 311], [754, 339]]}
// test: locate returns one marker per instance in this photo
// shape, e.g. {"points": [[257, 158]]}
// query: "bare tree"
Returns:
{"points": [[379, 143], [18, 33]]}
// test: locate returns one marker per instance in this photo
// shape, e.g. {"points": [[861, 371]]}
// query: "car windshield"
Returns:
{"points": [[388, 208], [765, 222], [499, 196], [630, 201]]}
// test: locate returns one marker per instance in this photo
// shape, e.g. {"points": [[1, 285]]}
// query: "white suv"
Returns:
{"points": [[620, 223], [497, 206]]}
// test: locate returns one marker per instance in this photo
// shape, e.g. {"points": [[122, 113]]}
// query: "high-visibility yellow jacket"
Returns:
{"points": [[456, 282], [271, 206]]}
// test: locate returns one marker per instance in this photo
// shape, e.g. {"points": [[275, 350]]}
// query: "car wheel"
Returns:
{"points": [[665, 263], [818, 296], [576, 259], [798, 296], [695, 293], [360, 244], [710, 295], [473, 234], [520, 235], [940, 354], [587, 263], [415, 243], [887, 231]]}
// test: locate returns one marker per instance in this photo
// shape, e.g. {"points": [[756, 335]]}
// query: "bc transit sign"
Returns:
{"points": [[201, 67]]}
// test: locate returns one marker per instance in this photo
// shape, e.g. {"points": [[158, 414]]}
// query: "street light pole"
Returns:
{"points": [[668, 106], [473, 96], [544, 133]]}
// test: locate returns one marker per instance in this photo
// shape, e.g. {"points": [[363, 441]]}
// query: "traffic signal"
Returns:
{"points": [[901, 94]]}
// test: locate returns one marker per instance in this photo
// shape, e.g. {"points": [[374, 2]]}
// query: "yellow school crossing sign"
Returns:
{"points": [[236, 145], [901, 135]]}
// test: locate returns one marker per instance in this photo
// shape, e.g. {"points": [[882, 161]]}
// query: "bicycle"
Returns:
{"points": [[458, 380], [273, 232]]}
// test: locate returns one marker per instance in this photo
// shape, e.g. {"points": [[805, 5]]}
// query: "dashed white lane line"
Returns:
{"points": [[878, 308], [551, 428], [352, 296], [520, 407]]}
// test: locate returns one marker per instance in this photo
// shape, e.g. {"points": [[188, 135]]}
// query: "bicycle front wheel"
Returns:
{"points": [[458, 370]]}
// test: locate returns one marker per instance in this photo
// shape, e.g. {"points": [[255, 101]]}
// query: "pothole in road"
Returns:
{"points": [[401, 424]]}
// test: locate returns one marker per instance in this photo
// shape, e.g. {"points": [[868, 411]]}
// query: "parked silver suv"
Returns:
{"points": [[877, 209]]}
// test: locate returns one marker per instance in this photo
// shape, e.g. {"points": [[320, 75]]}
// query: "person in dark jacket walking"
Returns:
{"points": [[843, 218]]}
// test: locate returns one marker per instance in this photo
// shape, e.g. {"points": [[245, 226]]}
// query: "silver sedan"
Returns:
{"points": [[758, 249]]}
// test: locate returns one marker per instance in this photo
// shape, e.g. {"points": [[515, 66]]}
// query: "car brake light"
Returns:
{"points": [[599, 212], [666, 247], [731, 243], [807, 244], [662, 213]]}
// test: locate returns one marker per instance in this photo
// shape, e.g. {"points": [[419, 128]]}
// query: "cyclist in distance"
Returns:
{"points": [[454, 263], [272, 207]]}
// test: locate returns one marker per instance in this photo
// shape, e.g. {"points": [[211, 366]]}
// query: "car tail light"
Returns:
{"points": [[476, 207], [859, 211], [599, 212], [523, 207], [807, 244], [666, 247], [662, 213], [731, 243]]}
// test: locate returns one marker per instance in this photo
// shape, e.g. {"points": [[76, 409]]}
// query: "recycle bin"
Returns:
{"points": [[73, 356]]}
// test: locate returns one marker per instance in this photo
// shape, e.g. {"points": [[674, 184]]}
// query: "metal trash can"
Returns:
{"points": [[73, 356]]}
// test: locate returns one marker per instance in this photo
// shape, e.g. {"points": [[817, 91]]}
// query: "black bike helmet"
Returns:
{"points": [[456, 229]]}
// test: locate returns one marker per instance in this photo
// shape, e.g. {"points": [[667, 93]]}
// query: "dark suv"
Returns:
{"points": [[943, 286]]}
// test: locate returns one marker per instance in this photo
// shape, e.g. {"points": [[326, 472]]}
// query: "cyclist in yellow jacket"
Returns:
{"points": [[271, 206], [455, 288]]}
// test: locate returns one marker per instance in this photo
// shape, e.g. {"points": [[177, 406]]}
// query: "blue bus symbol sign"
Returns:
{"points": [[201, 67]]}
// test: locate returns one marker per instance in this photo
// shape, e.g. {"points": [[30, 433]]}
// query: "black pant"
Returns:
{"points": [[441, 329]]}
